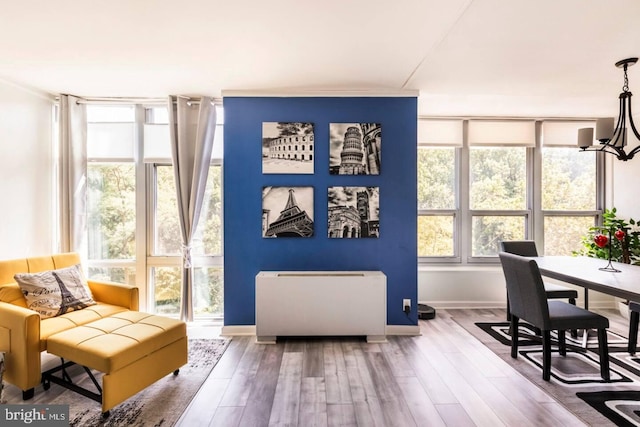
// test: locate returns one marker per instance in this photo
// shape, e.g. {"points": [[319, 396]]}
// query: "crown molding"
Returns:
{"points": [[309, 93]]}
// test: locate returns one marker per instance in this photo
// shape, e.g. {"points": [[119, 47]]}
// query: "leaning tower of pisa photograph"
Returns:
{"points": [[354, 148]]}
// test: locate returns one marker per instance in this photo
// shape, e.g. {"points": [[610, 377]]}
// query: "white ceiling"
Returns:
{"points": [[465, 57]]}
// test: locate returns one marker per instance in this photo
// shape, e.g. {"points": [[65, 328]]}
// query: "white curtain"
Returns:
{"points": [[192, 126], [73, 174]]}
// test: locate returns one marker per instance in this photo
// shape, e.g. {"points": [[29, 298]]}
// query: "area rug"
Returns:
{"points": [[575, 379], [160, 404]]}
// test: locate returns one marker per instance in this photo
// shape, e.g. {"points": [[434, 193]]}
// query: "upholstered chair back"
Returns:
{"points": [[525, 289]]}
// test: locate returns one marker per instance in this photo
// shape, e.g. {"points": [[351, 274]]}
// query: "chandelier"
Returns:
{"points": [[613, 140]]}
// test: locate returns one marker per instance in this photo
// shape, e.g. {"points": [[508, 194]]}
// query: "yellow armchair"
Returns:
{"points": [[22, 331]]}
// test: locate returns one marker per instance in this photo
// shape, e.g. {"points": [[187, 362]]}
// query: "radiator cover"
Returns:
{"points": [[321, 303]]}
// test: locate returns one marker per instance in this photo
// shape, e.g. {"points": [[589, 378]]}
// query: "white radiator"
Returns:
{"points": [[330, 303]]}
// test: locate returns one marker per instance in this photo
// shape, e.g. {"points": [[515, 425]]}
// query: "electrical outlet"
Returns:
{"points": [[406, 305]]}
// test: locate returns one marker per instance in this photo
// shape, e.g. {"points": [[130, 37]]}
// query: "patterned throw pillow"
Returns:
{"points": [[55, 292]]}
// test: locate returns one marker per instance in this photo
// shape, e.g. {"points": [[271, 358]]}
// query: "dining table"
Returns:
{"points": [[590, 274]]}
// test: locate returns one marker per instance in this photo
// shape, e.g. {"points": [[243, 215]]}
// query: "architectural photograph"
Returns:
{"points": [[354, 148], [287, 147], [287, 211], [192, 195], [353, 212]]}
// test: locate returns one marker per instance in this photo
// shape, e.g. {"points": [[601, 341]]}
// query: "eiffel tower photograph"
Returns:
{"points": [[287, 212]]}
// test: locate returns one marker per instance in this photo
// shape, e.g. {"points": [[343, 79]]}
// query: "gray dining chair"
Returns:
{"points": [[529, 302], [553, 291]]}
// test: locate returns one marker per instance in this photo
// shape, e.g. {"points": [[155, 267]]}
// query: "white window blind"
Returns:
{"points": [[440, 132], [502, 132], [157, 143], [110, 141], [562, 133]]}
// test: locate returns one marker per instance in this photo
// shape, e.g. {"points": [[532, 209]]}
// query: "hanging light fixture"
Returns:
{"points": [[613, 140]]}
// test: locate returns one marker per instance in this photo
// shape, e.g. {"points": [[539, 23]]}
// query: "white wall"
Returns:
{"points": [[26, 173], [479, 287], [625, 188]]}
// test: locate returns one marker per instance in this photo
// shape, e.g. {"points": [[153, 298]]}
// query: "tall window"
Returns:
{"points": [[134, 232], [111, 193], [484, 181], [436, 201], [570, 195]]}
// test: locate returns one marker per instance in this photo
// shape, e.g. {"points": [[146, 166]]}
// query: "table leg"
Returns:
{"points": [[586, 299], [585, 337]]}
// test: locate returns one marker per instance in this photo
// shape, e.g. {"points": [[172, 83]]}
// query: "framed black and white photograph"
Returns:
{"points": [[354, 148], [354, 212], [287, 147], [287, 212]]}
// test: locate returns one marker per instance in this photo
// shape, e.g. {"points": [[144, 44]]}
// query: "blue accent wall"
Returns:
{"points": [[246, 252]]}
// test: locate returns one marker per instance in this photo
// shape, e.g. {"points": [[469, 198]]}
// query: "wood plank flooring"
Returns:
{"points": [[444, 377]]}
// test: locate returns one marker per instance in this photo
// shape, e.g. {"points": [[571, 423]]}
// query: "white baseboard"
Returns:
{"points": [[403, 330], [464, 304], [238, 330], [596, 304]]}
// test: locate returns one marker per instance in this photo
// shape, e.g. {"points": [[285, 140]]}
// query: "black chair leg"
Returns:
{"points": [[27, 394], [574, 332], [633, 331], [604, 355], [514, 336], [508, 309], [546, 355], [562, 343]]}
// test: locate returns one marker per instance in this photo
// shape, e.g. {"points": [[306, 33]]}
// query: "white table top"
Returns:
{"points": [[585, 272]]}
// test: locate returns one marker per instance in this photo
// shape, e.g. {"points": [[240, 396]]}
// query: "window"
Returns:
{"points": [[436, 201], [125, 243], [569, 192], [206, 247], [497, 197], [477, 190], [111, 193]]}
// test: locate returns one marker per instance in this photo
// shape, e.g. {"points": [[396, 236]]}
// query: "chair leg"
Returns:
{"points": [[604, 355], [514, 336], [546, 355], [27, 394], [562, 343], [574, 332], [633, 331], [508, 309], [585, 338]]}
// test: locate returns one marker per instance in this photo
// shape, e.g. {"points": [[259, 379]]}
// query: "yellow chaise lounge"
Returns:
{"points": [[132, 349]]}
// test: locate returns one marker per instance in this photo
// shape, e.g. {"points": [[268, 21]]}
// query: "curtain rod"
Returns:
{"points": [[144, 101], [505, 118]]}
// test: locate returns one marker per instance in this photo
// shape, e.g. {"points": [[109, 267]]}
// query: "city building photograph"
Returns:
{"points": [[287, 147]]}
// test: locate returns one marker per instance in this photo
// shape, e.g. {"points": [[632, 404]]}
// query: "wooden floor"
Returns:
{"points": [[444, 377]]}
